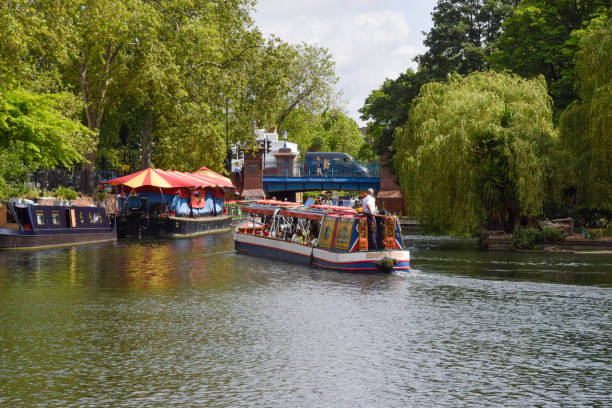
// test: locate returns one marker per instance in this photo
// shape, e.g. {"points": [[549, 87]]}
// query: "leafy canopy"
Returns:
{"points": [[537, 40], [42, 127], [586, 125]]}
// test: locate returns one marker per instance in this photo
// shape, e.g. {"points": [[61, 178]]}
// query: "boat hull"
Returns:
{"points": [[364, 262], [173, 227], [21, 240]]}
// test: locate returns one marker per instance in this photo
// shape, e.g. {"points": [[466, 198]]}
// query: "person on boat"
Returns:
{"points": [[370, 210]]}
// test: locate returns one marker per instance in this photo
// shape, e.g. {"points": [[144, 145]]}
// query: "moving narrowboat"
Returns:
{"points": [[329, 237], [27, 225]]}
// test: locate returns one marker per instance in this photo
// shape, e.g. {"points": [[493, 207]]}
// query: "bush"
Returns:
{"points": [[32, 193], [592, 233], [552, 234], [525, 238], [100, 196], [65, 193]]}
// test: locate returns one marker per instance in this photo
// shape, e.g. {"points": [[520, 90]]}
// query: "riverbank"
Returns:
{"points": [[573, 243]]}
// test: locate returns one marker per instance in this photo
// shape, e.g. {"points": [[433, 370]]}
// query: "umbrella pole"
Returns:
{"points": [[126, 200], [166, 210]]}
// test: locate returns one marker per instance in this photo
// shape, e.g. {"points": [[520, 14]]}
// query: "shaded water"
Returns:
{"points": [[191, 323]]}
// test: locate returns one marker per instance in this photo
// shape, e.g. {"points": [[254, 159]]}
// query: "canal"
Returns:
{"points": [[190, 323]]}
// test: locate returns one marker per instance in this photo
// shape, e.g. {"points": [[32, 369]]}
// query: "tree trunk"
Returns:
{"points": [[87, 170], [147, 129]]}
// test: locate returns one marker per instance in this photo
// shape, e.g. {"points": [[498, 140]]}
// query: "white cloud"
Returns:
{"points": [[367, 46]]}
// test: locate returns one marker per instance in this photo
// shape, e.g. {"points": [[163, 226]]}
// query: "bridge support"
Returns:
{"points": [[252, 176], [389, 196]]}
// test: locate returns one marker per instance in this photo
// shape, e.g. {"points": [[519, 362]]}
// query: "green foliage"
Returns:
{"points": [[65, 193], [475, 152], [42, 127], [586, 125], [387, 108], [592, 233], [100, 195], [331, 131], [33, 193], [154, 78], [538, 39], [526, 238], [552, 234], [366, 153], [462, 34]]}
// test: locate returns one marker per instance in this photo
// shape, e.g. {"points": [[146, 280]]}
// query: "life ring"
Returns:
{"points": [[266, 230]]}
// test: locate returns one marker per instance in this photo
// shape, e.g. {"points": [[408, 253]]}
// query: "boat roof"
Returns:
{"points": [[289, 209], [336, 208]]}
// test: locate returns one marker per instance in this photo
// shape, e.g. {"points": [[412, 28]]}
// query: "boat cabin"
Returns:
{"points": [[42, 218], [338, 229]]}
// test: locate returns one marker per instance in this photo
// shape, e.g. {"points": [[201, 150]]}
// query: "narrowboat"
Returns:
{"points": [[27, 225], [329, 237]]}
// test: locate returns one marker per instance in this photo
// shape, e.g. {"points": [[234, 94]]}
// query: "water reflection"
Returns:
{"points": [[461, 257], [191, 323]]}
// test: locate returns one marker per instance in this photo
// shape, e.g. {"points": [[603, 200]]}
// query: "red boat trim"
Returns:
{"points": [[344, 269], [353, 262]]}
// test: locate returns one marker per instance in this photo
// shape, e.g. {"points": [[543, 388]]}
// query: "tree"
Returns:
{"points": [[300, 76], [43, 127], [331, 131], [462, 34], [387, 107], [459, 41], [101, 40], [37, 130], [475, 152], [586, 125], [537, 40]]}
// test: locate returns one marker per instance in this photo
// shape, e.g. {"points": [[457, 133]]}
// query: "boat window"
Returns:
{"points": [[91, 219], [40, 217], [6, 218], [96, 218], [81, 217], [55, 219], [10, 218]]}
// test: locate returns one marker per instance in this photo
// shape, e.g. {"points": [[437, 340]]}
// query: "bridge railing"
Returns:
{"points": [[334, 168]]}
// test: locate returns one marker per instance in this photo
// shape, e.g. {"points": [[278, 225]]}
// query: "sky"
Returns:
{"points": [[370, 40]]}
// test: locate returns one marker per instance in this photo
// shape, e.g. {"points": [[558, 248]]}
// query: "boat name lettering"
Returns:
{"points": [[373, 255]]}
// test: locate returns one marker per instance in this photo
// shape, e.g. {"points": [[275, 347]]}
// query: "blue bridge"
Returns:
{"points": [[280, 176]]}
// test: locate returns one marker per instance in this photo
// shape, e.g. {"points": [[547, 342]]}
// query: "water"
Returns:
{"points": [[191, 323]]}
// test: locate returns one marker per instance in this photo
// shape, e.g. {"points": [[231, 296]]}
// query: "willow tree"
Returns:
{"points": [[475, 152], [586, 125]]}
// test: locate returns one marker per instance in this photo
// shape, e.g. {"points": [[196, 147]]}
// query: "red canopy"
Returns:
{"points": [[214, 178], [167, 179]]}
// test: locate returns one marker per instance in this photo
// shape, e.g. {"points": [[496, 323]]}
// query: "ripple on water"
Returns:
{"points": [[160, 323]]}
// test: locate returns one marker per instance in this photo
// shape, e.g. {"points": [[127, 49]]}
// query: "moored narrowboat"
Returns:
{"points": [[166, 203], [27, 225], [323, 236]]}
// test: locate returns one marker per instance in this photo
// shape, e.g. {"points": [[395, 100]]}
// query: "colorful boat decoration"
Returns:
{"points": [[27, 225], [167, 203], [329, 237]]}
